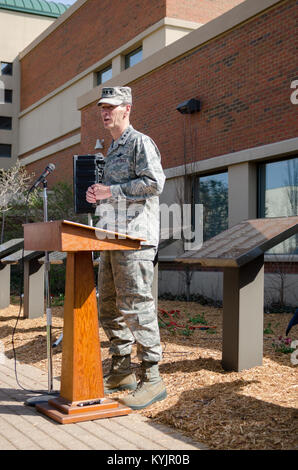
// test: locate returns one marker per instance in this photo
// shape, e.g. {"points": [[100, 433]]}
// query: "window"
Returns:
{"points": [[5, 150], [103, 75], [278, 196], [6, 68], [5, 123], [7, 96], [133, 57], [212, 192]]}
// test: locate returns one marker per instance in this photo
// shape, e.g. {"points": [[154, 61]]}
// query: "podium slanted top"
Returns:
{"points": [[64, 235], [242, 243]]}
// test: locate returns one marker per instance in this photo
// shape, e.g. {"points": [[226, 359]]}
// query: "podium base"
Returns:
{"points": [[64, 412], [41, 399]]}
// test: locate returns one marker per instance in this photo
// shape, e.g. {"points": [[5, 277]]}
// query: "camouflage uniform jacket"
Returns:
{"points": [[134, 173]]}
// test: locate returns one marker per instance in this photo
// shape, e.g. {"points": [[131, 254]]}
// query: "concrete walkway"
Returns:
{"points": [[23, 428]]}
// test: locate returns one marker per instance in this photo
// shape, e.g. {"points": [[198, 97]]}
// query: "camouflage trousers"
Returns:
{"points": [[127, 310]]}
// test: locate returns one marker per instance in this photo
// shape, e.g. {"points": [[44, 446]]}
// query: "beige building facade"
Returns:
{"points": [[20, 24]]}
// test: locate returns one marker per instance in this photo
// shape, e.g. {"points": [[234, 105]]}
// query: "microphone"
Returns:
{"points": [[46, 172]]}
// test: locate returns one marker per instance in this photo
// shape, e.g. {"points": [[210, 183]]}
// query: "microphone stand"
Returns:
{"points": [[47, 295], [51, 394]]}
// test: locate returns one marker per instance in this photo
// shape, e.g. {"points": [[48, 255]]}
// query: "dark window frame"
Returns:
{"points": [[261, 194], [100, 73], [196, 198], [2, 150], [5, 126], [6, 68], [131, 54], [8, 95], [261, 179]]}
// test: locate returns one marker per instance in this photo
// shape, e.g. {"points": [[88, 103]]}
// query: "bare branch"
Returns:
{"points": [[13, 186]]}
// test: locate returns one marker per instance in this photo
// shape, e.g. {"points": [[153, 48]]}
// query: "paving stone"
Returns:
{"points": [[23, 428]]}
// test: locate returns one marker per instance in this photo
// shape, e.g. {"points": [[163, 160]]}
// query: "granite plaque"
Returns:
{"points": [[242, 243]]}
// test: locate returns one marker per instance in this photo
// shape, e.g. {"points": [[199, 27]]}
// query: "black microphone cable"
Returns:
{"points": [[20, 308]]}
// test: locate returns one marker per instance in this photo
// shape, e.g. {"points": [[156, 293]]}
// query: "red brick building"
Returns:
{"points": [[238, 58]]}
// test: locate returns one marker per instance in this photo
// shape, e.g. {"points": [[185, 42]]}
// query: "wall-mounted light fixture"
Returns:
{"points": [[99, 144], [190, 106]]}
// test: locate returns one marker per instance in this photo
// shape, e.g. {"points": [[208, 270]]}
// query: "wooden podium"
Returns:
{"points": [[82, 391]]}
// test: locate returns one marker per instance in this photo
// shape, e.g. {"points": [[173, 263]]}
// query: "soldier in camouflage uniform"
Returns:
{"points": [[129, 203]]}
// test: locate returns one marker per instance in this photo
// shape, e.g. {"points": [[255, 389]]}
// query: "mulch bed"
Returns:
{"points": [[253, 409]]}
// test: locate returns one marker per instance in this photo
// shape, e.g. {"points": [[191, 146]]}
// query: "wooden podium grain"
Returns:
{"points": [[81, 375]]}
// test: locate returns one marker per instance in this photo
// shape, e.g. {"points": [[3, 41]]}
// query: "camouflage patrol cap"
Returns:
{"points": [[115, 95]]}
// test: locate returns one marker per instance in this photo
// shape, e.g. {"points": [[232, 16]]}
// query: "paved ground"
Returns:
{"points": [[23, 428]]}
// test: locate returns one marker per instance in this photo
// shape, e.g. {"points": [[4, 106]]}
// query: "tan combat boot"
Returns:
{"points": [[120, 376], [150, 389]]}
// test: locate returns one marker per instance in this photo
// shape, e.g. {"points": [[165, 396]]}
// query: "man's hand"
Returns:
{"points": [[98, 191]]}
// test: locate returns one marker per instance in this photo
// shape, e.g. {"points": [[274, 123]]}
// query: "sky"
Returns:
{"points": [[66, 2]]}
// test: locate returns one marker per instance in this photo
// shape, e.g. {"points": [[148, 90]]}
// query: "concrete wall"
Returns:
{"points": [[17, 30], [210, 285], [52, 118]]}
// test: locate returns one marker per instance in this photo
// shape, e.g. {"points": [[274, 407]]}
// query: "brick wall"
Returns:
{"points": [[277, 267], [94, 31], [243, 81], [281, 268], [63, 162], [202, 10]]}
